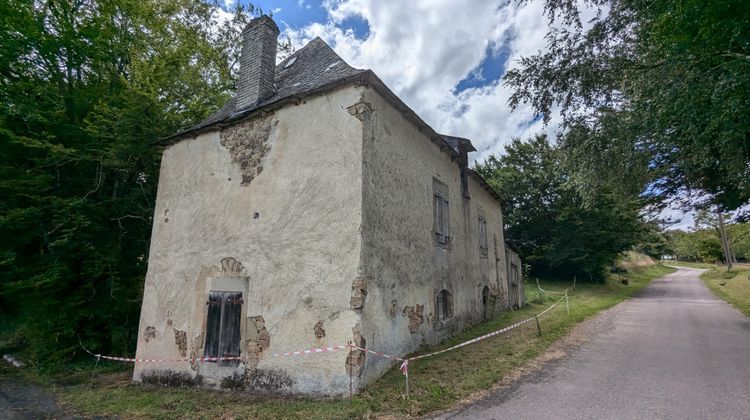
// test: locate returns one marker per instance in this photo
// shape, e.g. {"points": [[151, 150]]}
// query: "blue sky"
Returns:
{"points": [[441, 85], [441, 57]]}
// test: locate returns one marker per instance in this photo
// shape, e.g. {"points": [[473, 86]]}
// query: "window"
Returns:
{"points": [[444, 305], [223, 326], [441, 219], [482, 237]]}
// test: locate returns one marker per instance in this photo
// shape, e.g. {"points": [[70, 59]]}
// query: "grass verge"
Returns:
{"points": [[437, 383], [690, 264], [731, 286]]}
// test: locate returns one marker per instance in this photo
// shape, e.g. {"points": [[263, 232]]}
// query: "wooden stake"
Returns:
{"points": [[538, 327], [407, 383]]}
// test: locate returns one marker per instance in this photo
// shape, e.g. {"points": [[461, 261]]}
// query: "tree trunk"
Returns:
{"points": [[724, 240]]}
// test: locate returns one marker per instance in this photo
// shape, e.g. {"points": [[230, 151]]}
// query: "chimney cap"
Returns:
{"points": [[262, 20]]}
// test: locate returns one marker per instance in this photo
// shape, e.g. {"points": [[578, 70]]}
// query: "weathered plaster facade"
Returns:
{"points": [[293, 234], [320, 214], [400, 258]]}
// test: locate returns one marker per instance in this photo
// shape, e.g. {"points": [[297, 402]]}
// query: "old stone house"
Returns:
{"points": [[312, 209]]}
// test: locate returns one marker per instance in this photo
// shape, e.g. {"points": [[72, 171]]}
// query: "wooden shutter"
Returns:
{"points": [[213, 324], [483, 236], [446, 221], [441, 305], [229, 342], [438, 210]]}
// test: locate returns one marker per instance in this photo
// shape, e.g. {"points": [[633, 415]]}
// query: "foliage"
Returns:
{"points": [[653, 242], [85, 90], [704, 244], [549, 221], [655, 94]]}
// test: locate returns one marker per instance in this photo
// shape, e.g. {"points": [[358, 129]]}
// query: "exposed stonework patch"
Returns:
{"points": [[394, 309], [180, 338], [355, 361], [231, 265], [359, 293], [318, 329], [308, 301], [149, 334], [196, 344], [258, 340], [361, 110], [248, 144], [415, 315]]}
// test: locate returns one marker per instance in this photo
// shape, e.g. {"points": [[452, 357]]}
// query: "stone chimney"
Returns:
{"points": [[257, 62]]}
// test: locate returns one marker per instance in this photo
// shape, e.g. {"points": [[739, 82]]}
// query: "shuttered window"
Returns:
{"points": [[223, 326], [442, 234], [444, 305], [482, 237]]}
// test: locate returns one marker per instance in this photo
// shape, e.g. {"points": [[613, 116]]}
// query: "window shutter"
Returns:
{"points": [[213, 324], [483, 236], [229, 343], [438, 209], [446, 221]]}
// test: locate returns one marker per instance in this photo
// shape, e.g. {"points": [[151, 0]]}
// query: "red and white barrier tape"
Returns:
{"points": [[405, 365], [311, 351], [215, 359], [377, 353]]}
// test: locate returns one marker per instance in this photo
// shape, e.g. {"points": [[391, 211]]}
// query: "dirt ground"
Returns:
{"points": [[20, 399]]}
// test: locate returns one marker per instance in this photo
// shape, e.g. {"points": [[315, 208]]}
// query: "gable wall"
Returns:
{"points": [[299, 257]]}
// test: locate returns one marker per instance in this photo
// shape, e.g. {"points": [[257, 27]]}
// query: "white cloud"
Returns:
{"points": [[678, 218], [422, 49]]}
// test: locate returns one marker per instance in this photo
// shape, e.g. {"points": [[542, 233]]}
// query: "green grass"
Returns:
{"points": [[689, 264], [732, 286], [436, 383]]}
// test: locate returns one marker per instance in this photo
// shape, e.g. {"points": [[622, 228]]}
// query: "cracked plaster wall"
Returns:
{"points": [[404, 267], [292, 230]]}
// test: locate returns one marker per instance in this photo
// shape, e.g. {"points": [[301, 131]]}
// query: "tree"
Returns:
{"points": [[654, 242], [85, 90], [656, 95], [547, 219]]}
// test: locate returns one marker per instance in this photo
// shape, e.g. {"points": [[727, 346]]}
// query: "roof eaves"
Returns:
{"points": [[409, 114], [358, 78], [486, 186]]}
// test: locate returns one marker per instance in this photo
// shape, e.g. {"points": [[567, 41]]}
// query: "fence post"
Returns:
{"points": [[567, 305], [538, 327], [406, 374]]}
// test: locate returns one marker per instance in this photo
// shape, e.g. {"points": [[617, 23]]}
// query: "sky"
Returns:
{"points": [[444, 58]]}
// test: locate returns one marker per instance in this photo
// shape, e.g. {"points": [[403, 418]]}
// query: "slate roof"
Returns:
{"points": [[313, 67], [317, 68]]}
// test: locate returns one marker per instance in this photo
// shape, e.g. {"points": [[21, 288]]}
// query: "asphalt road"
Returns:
{"points": [[673, 351]]}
